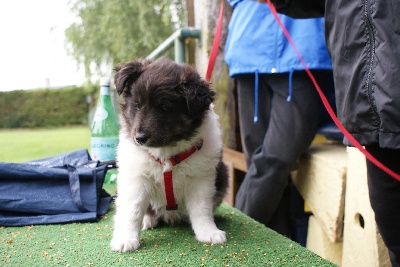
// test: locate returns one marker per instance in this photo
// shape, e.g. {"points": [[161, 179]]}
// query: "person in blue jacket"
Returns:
{"points": [[278, 103]]}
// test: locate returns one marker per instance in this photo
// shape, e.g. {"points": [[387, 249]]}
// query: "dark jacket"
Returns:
{"points": [[363, 39]]}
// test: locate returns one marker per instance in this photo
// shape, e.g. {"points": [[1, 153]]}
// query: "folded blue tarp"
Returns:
{"points": [[60, 189]]}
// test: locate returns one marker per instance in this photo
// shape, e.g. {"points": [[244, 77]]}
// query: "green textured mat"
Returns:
{"points": [[87, 244]]}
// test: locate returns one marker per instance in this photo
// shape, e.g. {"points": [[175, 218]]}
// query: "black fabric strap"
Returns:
{"points": [[75, 188]]}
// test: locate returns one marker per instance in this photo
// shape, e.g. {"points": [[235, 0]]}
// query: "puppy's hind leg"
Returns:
{"points": [[150, 219], [221, 182]]}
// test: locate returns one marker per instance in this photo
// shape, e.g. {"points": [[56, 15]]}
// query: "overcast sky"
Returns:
{"points": [[32, 50]]}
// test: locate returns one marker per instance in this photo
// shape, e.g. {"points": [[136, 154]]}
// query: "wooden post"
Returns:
{"points": [[206, 17], [362, 243]]}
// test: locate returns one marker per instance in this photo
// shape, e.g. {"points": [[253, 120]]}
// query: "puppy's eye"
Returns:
{"points": [[166, 107], [137, 105]]}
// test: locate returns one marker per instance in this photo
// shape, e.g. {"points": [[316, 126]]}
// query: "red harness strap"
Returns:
{"points": [[169, 191], [168, 185]]}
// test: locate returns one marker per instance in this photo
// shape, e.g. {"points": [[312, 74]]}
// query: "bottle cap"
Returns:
{"points": [[104, 81]]}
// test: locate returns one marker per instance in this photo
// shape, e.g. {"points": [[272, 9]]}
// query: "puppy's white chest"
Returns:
{"points": [[169, 186]]}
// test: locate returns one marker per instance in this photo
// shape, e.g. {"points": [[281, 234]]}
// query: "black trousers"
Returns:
{"points": [[273, 145], [384, 194]]}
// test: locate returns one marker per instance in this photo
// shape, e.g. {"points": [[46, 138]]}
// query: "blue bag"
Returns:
{"points": [[61, 189]]}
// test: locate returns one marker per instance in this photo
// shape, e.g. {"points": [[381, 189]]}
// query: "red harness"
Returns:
{"points": [[174, 160]]}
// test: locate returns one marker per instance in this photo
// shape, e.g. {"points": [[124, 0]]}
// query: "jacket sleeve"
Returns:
{"points": [[300, 8]]}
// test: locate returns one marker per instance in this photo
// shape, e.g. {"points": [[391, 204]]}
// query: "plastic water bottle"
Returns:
{"points": [[104, 132]]}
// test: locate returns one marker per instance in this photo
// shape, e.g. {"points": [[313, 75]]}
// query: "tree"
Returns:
{"points": [[108, 32]]}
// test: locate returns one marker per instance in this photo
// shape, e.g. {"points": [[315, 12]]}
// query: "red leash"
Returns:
{"points": [[326, 103], [215, 46]]}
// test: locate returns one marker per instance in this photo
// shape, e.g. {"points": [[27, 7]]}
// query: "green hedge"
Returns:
{"points": [[44, 107]]}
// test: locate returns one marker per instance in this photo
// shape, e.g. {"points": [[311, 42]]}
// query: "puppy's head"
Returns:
{"points": [[163, 102]]}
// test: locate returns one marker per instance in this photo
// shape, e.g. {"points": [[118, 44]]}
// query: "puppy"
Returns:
{"points": [[169, 153]]}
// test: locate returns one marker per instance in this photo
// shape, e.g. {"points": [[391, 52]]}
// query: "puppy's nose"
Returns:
{"points": [[141, 138]]}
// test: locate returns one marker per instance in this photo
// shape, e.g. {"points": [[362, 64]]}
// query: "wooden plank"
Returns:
{"points": [[230, 195], [319, 243], [321, 180], [234, 161], [362, 243], [236, 157]]}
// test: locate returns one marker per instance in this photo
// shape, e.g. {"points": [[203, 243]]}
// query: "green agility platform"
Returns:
{"points": [[87, 244]]}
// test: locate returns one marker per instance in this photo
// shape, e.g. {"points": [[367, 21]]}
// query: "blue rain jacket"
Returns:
{"points": [[256, 43]]}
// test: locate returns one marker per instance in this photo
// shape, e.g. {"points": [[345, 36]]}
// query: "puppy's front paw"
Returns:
{"points": [[214, 237], [124, 245]]}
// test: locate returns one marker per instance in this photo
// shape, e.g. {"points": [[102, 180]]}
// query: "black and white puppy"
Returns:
{"points": [[169, 155]]}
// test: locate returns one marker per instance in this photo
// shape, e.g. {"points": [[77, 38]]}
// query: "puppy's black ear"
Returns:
{"points": [[127, 73], [199, 96]]}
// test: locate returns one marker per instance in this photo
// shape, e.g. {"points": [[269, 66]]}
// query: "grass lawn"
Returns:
{"points": [[19, 145]]}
